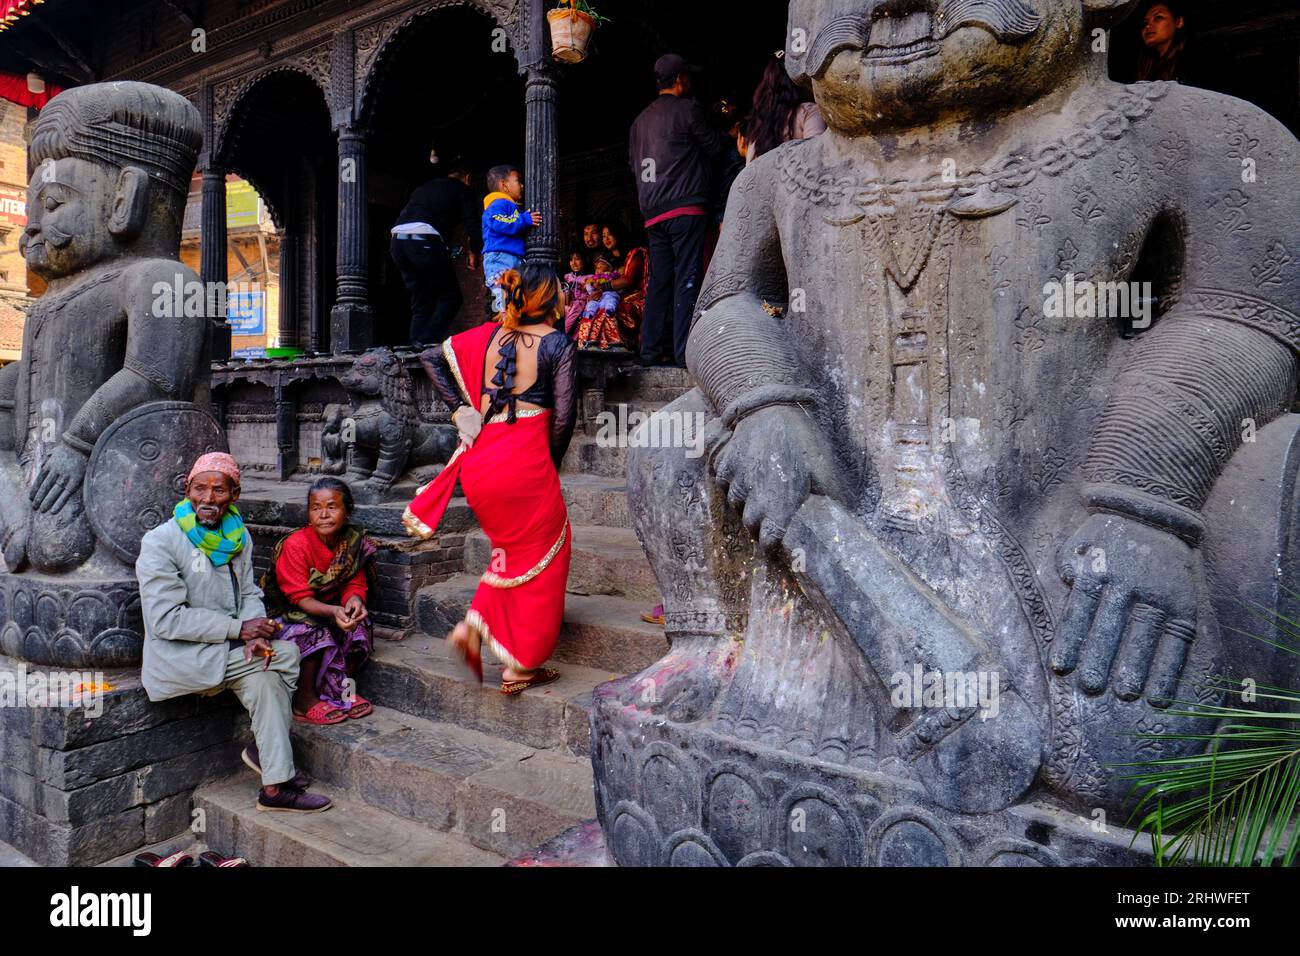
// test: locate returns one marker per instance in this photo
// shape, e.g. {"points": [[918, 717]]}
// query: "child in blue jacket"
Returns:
{"points": [[505, 224]]}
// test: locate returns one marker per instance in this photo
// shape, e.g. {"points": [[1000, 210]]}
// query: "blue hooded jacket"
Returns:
{"points": [[504, 225]]}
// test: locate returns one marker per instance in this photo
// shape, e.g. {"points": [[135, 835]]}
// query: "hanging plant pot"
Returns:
{"points": [[571, 31]]}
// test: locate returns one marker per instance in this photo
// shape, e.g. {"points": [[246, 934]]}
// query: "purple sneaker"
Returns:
{"points": [[292, 800], [252, 760]]}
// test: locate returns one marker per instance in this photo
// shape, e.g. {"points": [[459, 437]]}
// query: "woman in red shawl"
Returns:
{"points": [[512, 384]]}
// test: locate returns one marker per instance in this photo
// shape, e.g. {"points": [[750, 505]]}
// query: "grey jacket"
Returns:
{"points": [[191, 609]]}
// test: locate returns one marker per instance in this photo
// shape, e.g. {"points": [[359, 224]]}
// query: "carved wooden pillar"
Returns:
{"points": [[542, 156], [351, 321], [541, 187], [212, 253], [289, 337]]}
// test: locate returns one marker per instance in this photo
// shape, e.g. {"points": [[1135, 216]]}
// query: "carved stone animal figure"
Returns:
{"points": [[1021, 421], [384, 435]]}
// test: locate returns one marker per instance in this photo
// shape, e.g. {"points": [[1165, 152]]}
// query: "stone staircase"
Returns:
{"points": [[446, 772]]}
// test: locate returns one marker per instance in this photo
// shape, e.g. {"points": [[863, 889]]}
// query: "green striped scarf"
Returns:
{"points": [[219, 547]]}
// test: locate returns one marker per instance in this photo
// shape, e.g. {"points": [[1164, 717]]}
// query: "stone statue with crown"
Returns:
{"points": [[999, 376], [108, 405]]}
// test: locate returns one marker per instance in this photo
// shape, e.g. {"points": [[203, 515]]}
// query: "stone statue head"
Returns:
{"points": [[112, 166], [894, 64]]}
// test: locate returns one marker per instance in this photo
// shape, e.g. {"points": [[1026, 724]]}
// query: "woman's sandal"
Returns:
{"points": [[213, 859], [461, 646], [543, 675], [360, 708], [321, 715], [154, 861]]}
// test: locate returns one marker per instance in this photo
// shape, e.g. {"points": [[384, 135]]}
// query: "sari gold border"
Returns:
{"points": [[496, 581], [500, 417], [454, 364], [475, 620], [416, 528]]}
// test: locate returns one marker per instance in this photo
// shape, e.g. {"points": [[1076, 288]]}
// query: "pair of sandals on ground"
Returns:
{"points": [[324, 714]]}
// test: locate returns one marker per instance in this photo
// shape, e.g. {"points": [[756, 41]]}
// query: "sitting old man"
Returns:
{"points": [[206, 629]]}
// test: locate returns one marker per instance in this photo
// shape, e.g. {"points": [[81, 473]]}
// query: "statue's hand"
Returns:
{"points": [[58, 479], [1131, 616], [769, 466]]}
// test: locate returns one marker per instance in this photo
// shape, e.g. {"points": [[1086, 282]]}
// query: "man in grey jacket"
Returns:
{"points": [[206, 629]]}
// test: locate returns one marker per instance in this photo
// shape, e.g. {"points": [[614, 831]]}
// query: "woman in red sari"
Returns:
{"points": [[622, 328], [512, 383]]}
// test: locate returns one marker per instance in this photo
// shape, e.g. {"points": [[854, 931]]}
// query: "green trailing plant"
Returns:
{"points": [[1238, 802], [582, 6]]}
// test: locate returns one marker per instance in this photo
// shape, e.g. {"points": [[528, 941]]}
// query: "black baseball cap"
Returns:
{"points": [[669, 66]]}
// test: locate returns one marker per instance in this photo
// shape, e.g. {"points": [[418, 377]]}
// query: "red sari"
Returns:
{"points": [[511, 485]]}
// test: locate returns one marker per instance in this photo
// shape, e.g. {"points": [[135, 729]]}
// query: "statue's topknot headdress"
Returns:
{"points": [[125, 124]]}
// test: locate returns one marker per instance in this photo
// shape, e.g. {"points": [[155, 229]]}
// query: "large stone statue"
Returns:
{"points": [[99, 418], [969, 518]]}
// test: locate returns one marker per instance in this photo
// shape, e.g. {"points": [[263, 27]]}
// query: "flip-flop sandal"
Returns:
{"points": [[543, 675], [321, 715], [360, 708], [656, 616], [221, 862], [154, 861]]}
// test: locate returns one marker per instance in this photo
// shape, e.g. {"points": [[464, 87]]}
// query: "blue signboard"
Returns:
{"points": [[246, 312], [248, 353]]}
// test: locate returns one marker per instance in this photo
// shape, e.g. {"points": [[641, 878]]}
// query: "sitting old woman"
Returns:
{"points": [[317, 586]]}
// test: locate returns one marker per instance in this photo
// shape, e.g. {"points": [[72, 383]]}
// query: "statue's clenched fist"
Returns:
{"points": [[1131, 616], [770, 464]]}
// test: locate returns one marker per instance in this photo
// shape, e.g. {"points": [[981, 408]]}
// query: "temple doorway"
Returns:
{"points": [[279, 140], [448, 82]]}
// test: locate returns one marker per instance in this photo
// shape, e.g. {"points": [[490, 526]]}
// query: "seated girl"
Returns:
{"points": [[575, 288], [317, 587]]}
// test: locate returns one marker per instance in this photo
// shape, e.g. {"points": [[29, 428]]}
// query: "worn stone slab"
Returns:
{"points": [[12, 857], [167, 818], [516, 805], [61, 844], [604, 632], [596, 500], [604, 561], [586, 456], [416, 678], [349, 834], [70, 769]]}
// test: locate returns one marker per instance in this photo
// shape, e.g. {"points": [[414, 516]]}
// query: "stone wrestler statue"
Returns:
{"points": [[112, 170], [915, 464]]}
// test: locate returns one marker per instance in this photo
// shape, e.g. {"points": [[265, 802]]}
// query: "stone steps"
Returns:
{"points": [[451, 772], [416, 678], [352, 833], [587, 456], [498, 795], [605, 561], [600, 631], [596, 500]]}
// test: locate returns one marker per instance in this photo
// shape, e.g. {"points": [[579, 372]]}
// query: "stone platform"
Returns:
{"points": [[87, 781]]}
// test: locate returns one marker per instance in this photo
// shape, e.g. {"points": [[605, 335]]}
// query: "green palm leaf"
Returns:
{"points": [[1233, 805]]}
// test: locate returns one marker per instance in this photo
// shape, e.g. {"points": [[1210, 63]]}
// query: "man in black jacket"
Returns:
{"points": [[421, 247], [672, 149]]}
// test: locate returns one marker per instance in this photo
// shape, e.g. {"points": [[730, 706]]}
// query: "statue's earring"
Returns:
{"points": [[131, 204]]}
